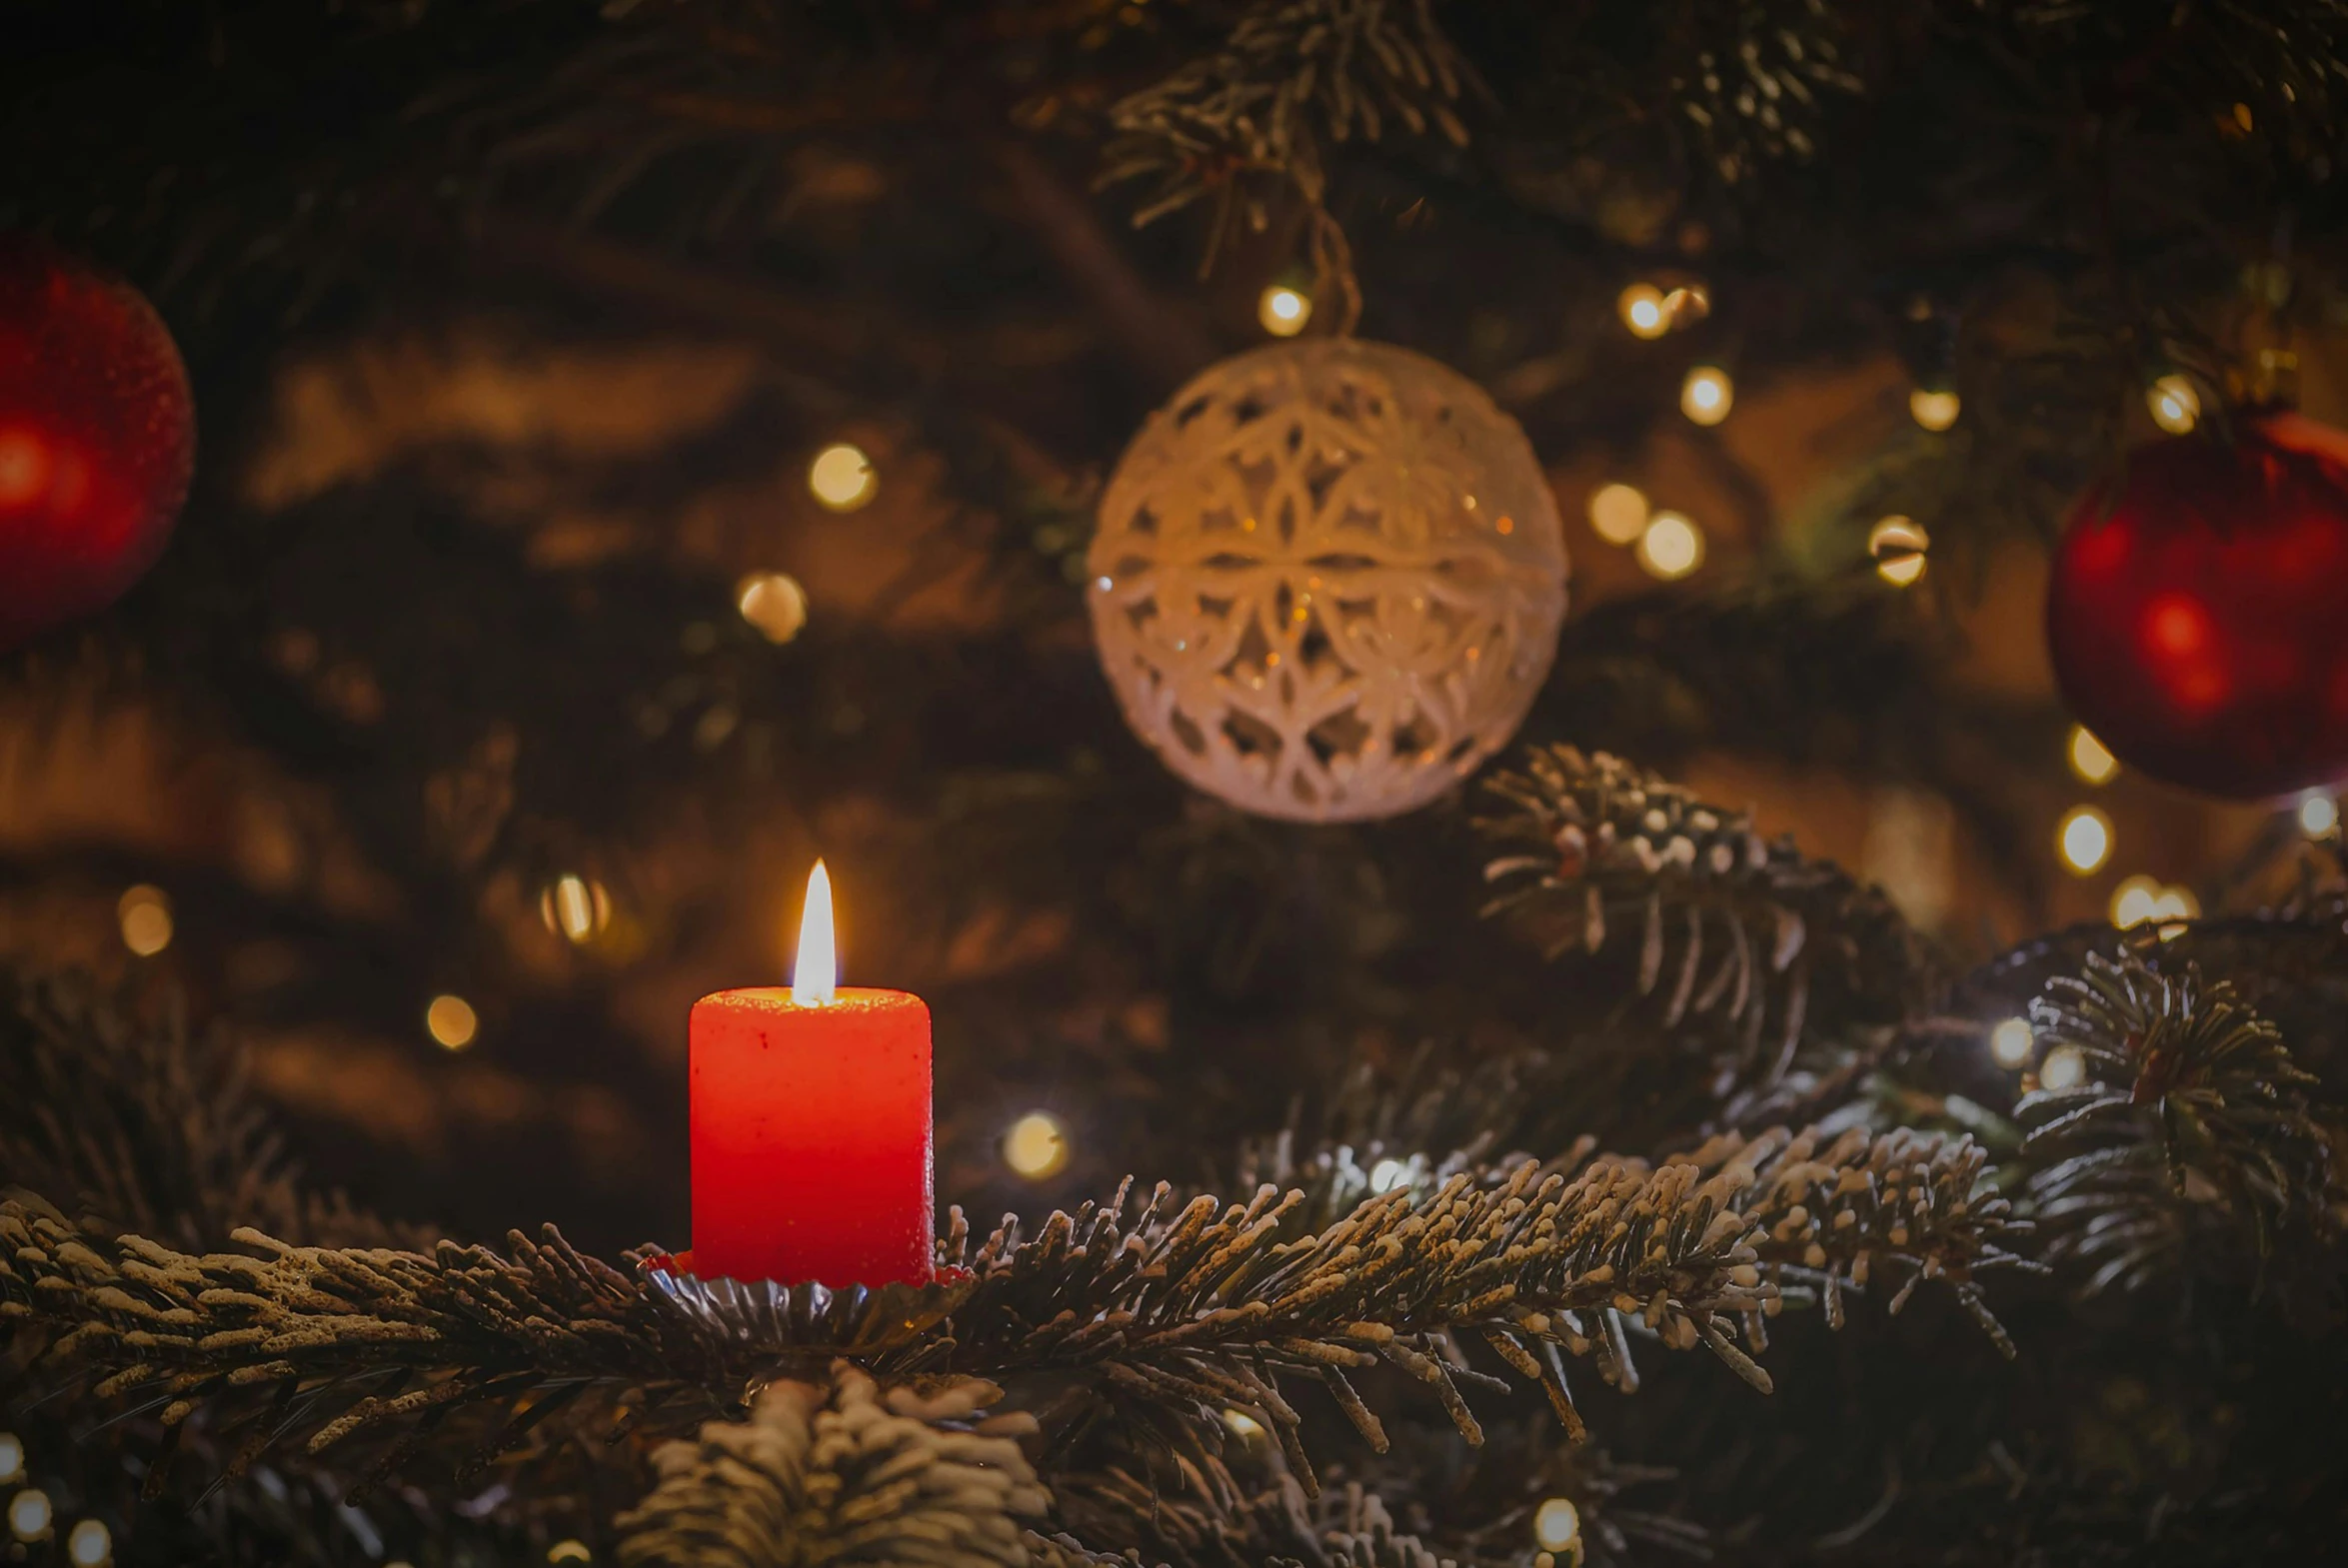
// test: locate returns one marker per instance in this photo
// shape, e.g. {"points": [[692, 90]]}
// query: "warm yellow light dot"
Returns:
{"points": [[2064, 1068], [1037, 1146], [11, 1459], [2135, 901], [1641, 309], [29, 1514], [91, 1545], [2084, 838], [2176, 407], [1242, 1425], [145, 915], [774, 602], [1898, 545], [452, 1022], [2091, 759], [1670, 547], [2009, 1043], [1617, 513], [1687, 305], [575, 908], [2171, 904], [1284, 310], [842, 478], [2319, 814], [1706, 394], [1557, 1524], [569, 1552], [1935, 410]]}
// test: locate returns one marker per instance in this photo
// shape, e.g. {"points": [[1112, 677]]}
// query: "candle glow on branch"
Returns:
{"points": [[815, 978]]}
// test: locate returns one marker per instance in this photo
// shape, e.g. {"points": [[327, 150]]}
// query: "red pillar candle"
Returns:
{"points": [[811, 1126]]}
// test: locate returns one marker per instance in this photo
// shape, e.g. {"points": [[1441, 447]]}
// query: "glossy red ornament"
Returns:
{"points": [[2198, 617], [97, 437]]}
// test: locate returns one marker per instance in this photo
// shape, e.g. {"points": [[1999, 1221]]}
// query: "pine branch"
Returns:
{"points": [[142, 1126], [1213, 1307], [2190, 1140], [1756, 84], [1766, 946], [2286, 60], [1290, 73], [1273, 1525], [844, 1472]]}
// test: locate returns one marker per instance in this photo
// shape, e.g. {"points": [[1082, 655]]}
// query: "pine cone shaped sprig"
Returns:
{"points": [[849, 1472], [2189, 1126]]}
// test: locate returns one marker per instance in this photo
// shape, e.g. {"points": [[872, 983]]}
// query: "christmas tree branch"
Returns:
{"points": [[844, 1472], [1726, 928], [1210, 1307], [1290, 73], [2188, 1141], [142, 1126]]}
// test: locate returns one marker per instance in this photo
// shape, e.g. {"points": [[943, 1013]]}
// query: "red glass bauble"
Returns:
{"points": [[2198, 615], [97, 437]]}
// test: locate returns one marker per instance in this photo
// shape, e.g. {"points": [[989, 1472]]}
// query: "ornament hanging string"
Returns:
{"points": [[1332, 270]]}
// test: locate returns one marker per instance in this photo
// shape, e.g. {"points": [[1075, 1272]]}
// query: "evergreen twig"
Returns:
{"points": [[2189, 1141]]}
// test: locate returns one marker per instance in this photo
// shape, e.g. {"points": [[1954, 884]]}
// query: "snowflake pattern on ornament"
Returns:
{"points": [[1327, 581]]}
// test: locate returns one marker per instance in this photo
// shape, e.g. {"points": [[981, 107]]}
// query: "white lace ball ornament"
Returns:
{"points": [[1329, 580]]}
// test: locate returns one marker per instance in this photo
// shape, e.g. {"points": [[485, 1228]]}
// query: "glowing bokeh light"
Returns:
{"points": [[1618, 513], [1641, 309], [1035, 1146], [2083, 839], [144, 913], [1284, 310], [1707, 394], [774, 602], [843, 478], [2064, 1068], [1935, 410], [1557, 1524], [2175, 406], [1671, 546], [452, 1022], [2090, 758]]}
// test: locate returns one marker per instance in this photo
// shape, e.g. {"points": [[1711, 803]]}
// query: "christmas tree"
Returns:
{"points": [[1604, 735]]}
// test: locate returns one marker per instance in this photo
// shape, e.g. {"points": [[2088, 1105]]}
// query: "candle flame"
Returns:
{"points": [[816, 978]]}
